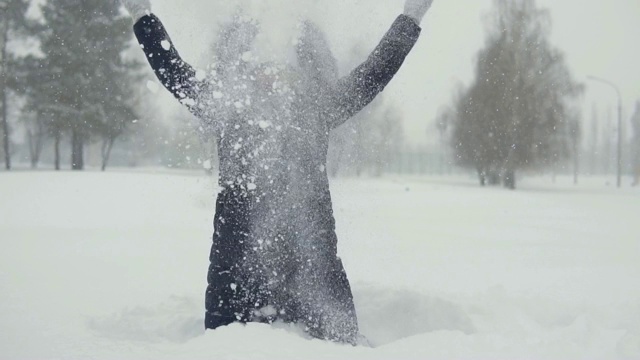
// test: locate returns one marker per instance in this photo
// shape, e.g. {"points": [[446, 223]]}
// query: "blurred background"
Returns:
{"points": [[494, 89]]}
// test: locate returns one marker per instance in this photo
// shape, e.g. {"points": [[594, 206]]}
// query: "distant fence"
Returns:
{"points": [[421, 163]]}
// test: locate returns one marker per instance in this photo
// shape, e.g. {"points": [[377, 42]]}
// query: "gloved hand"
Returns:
{"points": [[416, 9], [137, 8]]}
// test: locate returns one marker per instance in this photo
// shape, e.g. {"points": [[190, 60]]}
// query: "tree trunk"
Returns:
{"points": [[379, 168], [3, 89], [32, 149], [107, 145], [576, 162], [36, 143], [494, 177], [77, 147], [56, 150], [510, 179], [482, 175], [5, 130]]}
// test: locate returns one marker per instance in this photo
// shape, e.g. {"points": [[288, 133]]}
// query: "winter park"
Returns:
{"points": [[303, 179]]}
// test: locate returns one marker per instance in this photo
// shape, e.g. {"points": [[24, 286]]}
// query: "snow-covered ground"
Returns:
{"points": [[113, 266]]}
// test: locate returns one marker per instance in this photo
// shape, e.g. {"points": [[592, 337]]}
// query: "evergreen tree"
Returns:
{"points": [[13, 25], [83, 78]]}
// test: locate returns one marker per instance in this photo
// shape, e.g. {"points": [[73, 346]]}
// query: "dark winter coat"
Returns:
{"points": [[274, 253]]}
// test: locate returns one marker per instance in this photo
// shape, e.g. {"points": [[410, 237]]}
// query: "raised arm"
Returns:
{"points": [[364, 83], [173, 72]]}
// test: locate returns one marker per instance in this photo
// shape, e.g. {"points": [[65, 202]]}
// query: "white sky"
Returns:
{"points": [[598, 37]]}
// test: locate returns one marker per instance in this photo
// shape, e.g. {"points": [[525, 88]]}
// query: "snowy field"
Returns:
{"points": [[113, 266]]}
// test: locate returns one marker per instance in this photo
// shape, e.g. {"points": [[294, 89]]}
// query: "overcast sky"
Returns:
{"points": [[598, 37]]}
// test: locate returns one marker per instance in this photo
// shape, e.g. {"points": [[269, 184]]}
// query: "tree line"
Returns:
{"points": [[72, 79]]}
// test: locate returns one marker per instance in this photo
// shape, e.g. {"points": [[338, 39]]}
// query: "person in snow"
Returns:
{"points": [[274, 253]]}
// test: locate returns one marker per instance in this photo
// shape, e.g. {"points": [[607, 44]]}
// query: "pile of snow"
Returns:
{"points": [[113, 266]]}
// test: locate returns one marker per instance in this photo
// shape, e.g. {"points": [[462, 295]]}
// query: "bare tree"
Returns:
{"points": [[515, 115], [635, 120], [575, 135], [387, 138], [370, 140], [593, 149]]}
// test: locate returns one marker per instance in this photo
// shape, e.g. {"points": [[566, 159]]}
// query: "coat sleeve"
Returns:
{"points": [[173, 72], [364, 83]]}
